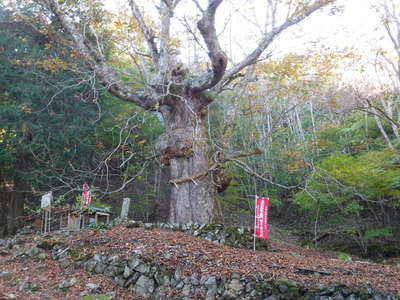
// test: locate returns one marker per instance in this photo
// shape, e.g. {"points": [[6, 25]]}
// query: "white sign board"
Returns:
{"points": [[46, 200]]}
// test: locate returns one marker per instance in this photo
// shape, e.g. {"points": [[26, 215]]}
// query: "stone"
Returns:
{"points": [[11, 296], [127, 272], [178, 274], [34, 251], [250, 286], [132, 280], [98, 258], [64, 263], [134, 262], [7, 276], [4, 252], [23, 285], [111, 271], [236, 275], [149, 226], [194, 280], [84, 293], [160, 292], [211, 283], [283, 288], [48, 244], [186, 290], [144, 286], [125, 208], [134, 224], [162, 278], [90, 265], [137, 252], [111, 294], [120, 281], [338, 296], [67, 283], [211, 295], [179, 285], [92, 287], [143, 268], [100, 267], [235, 285], [115, 260]]}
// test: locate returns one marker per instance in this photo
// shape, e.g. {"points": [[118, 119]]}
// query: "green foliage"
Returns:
{"points": [[343, 182], [377, 232], [232, 199], [99, 226], [344, 257], [46, 115]]}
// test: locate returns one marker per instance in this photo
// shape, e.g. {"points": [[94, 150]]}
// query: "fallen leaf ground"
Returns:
{"points": [[197, 255], [46, 275], [193, 255]]}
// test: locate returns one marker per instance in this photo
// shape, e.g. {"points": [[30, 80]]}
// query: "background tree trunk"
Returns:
{"points": [[3, 212], [16, 201]]}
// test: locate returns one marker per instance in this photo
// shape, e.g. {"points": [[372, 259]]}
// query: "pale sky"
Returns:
{"points": [[356, 27]]}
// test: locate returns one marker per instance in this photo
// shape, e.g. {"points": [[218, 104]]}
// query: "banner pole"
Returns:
{"points": [[255, 222]]}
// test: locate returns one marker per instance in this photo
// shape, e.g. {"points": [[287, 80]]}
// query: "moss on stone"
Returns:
{"points": [[134, 224], [213, 227], [287, 282], [49, 244]]}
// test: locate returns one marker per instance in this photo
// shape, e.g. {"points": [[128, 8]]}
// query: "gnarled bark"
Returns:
{"points": [[185, 149]]}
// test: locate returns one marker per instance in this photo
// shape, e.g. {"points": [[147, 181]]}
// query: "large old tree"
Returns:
{"points": [[180, 95]]}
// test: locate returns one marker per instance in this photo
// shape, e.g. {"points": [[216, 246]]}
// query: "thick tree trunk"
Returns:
{"points": [[15, 212], [185, 149], [16, 201], [192, 201]]}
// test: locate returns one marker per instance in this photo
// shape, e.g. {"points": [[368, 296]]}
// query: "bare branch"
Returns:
{"points": [[217, 56], [270, 36], [166, 12], [198, 5], [146, 30]]}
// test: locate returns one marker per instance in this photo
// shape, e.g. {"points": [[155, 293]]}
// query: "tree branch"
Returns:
{"points": [[107, 75], [146, 30], [270, 36], [217, 56]]}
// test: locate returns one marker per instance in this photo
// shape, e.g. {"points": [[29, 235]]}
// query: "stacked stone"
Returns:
{"points": [[234, 236], [152, 280]]}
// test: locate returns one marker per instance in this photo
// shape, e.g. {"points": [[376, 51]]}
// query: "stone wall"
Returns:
{"points": [[234, 236], [152, 280], [146, 277]]}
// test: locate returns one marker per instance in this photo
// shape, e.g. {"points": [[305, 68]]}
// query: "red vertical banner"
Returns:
{"points": [[86, 197], [261, 224]]}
